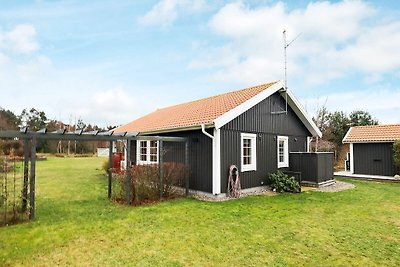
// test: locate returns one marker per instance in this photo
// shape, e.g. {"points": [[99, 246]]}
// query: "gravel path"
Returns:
{"points": [[336, 187], [254, 192]]}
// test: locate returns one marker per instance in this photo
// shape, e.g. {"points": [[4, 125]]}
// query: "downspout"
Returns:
{"points": [[216, 159], [203, 130]]}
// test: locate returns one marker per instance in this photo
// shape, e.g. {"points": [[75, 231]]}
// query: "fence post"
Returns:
{"points": [[187, 168], [161, 167], [128, 182], [26, 176], [110, 169], [32, 180]]}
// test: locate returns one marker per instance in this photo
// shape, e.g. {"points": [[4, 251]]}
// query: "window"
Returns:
{"points": [[147, 152], [248, 152], [283, 151], [143, 151]]}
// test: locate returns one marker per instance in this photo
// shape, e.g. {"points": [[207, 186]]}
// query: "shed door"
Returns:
{"points": [[374, 159]]}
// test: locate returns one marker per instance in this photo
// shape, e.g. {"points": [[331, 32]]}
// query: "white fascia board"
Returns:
{"points": [[369, 142], [347, 134], [235, 112], [177, 129], [302, 114], [216, 159]]}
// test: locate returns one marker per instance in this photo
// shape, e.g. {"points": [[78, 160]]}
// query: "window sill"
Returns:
{"points": [[248, 168], [283, 165]]}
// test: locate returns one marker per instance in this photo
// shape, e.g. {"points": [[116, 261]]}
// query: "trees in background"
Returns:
{"points": [[35, 120], [334, 126], [8, 120]]}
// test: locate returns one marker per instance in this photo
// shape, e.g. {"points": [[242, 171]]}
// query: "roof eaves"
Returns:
{"points": [[177, 129]]}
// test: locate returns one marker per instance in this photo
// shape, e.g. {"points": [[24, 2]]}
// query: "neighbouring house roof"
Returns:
{"points": [[214, 111], [373, 133]]}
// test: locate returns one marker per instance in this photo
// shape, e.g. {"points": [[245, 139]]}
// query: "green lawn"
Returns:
{"points": [[77, 225]]}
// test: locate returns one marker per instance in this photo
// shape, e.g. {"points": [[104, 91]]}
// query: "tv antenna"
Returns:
{"points": [[285, 46]]}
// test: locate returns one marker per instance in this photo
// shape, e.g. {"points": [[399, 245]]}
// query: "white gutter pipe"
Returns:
{"points": [[203, 130]]}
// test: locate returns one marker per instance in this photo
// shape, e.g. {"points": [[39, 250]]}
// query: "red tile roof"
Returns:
{"points": [[195, 113], [373, 133]]}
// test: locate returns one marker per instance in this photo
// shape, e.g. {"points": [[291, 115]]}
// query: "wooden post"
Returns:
{"points": [[32, 180], [128, 182], [187, 170], [161, 167], [26, 176], [110, 169]]}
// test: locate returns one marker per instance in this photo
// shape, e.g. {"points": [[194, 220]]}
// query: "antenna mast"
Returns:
{"points": [[285, 46]]}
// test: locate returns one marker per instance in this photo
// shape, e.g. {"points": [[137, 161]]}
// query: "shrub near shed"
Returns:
{"points": [[283, 183]]}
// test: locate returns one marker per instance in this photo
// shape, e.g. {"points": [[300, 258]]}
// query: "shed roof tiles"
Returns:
{"points": [[373, 133]]}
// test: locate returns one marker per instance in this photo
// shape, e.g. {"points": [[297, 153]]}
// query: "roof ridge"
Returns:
{"points": [[267, 85]]}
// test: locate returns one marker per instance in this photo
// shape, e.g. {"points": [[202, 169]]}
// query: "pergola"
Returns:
{"points": [[110, 136]]}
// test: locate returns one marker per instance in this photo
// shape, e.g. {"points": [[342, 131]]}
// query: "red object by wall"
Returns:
{"points": [[116, 161]]}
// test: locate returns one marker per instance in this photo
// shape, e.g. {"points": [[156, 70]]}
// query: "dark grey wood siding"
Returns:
{"points": [[374, 159], [267, 126], [200, 157], [314, 167], [133, 152]]}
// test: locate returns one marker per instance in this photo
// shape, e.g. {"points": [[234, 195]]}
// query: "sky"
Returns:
{"points": [[110, 62]]}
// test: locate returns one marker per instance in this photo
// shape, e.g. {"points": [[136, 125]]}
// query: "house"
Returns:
{"points": [[253, 128], [371, 149]]}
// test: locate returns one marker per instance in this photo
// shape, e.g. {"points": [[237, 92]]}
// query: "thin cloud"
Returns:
{"points": [[165, 12], [21, 39]]}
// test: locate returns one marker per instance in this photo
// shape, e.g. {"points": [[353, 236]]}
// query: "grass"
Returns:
{"points": [[77, 225]]}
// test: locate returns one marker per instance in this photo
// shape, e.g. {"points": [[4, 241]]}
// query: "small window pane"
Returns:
{"points": [[153, 151], [281, 150], [246, 151], [143, 150]]}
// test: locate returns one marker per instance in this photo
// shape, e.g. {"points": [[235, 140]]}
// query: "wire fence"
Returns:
{"points": [[13, 190]]}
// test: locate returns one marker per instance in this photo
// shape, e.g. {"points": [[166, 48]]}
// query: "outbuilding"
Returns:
{"points": [[255, 129], [371, 149]]}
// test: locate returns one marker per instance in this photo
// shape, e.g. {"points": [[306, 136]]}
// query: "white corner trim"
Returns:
{"points": [[309, 140], [235, 112], [285, 163], [351, 158], [125, 161], [253, 165], [302, 114], [347, 134], [216, 159]]}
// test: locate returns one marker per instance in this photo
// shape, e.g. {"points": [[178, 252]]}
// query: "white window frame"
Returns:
{"points": [[285, 162], [147, 161], [253, 149]]}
